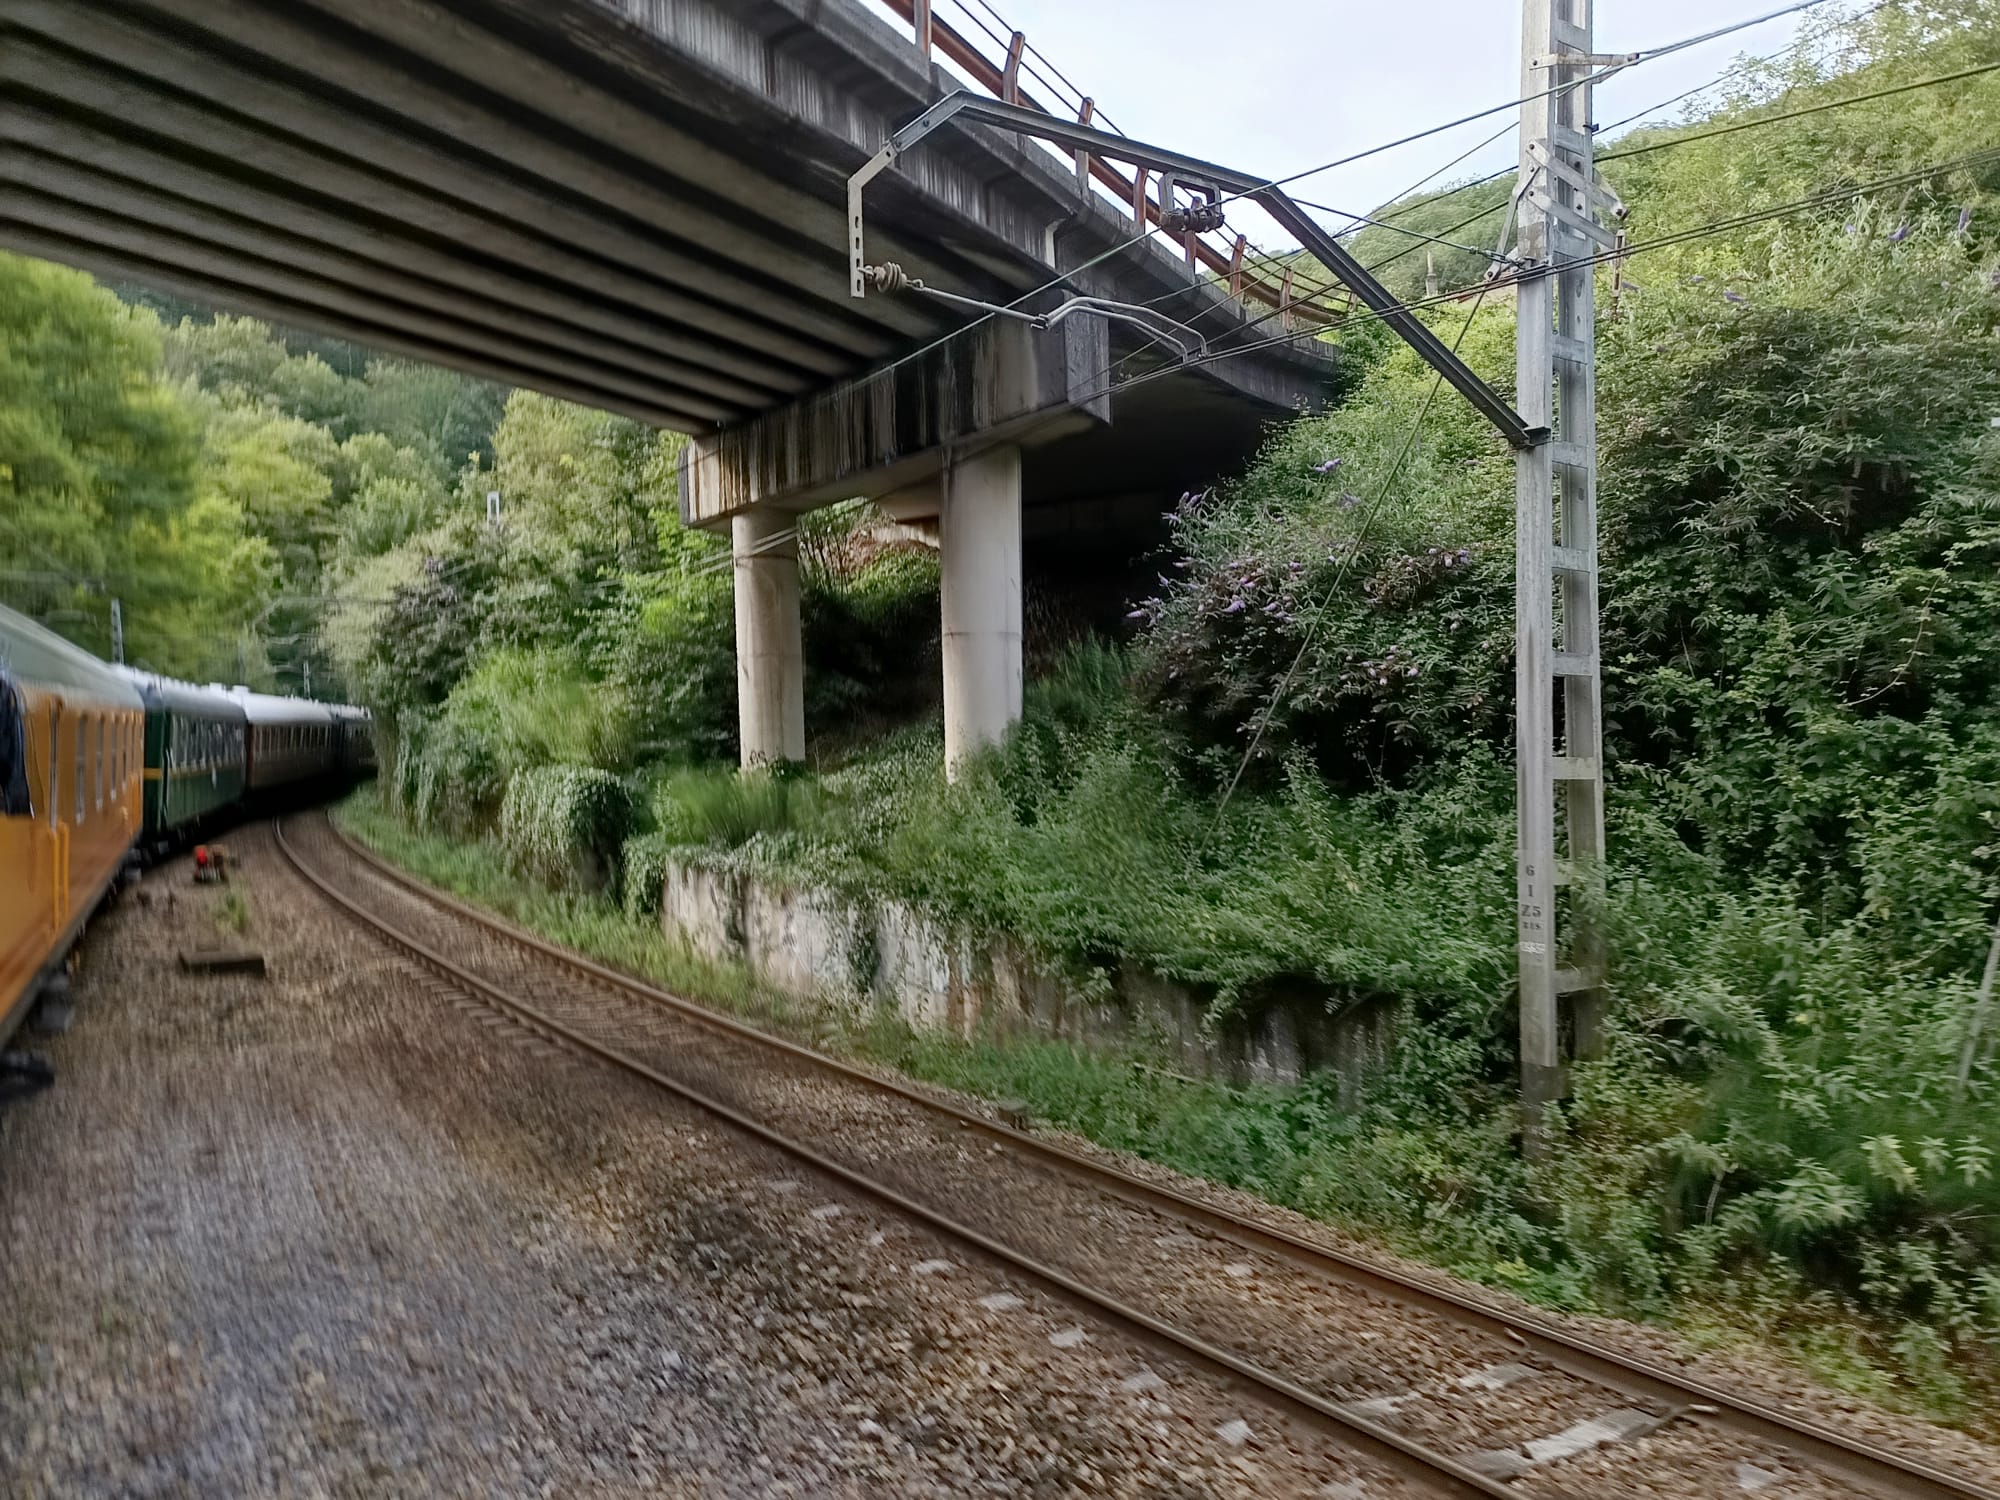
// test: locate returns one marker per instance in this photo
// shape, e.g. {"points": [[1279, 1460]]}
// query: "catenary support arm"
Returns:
{"points": [[968, 108]]}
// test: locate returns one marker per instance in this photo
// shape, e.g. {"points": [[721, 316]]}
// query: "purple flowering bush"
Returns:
{"points": [[1363, 624]]}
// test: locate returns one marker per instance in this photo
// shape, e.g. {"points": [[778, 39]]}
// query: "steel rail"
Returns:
{"points": [[1873, 1468], [1414, 1459]]}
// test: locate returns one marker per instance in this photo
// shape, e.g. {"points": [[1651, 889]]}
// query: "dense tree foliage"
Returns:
{"points": [[98, 464], [1678, 189], [206, 475], [589, 626]]}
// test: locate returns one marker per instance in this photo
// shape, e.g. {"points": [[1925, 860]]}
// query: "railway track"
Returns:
{"points": [[1451, 1424]]}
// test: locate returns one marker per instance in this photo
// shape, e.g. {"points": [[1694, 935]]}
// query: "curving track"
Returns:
{"points": [[1447, 1387]]}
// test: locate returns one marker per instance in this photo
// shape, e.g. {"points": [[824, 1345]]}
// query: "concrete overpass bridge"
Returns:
{"points": [[641, 205]]}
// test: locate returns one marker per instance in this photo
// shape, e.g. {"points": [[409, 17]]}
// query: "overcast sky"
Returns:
{"points": [[1271, 87]]}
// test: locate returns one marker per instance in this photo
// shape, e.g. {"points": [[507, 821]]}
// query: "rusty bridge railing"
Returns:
{"points": [[936, 37]]}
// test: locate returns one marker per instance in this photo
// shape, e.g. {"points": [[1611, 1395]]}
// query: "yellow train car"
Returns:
{"points": [[72, 767]]}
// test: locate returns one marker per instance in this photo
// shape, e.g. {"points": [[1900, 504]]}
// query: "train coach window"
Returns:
{"points": [[15, 799], [101, 767], [82, 726]]}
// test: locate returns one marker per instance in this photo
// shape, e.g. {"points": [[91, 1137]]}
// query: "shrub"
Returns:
{"points": [[519, 710], [1799, 511], [406, 763], [674, 669], [459, 778], [1351, 595], [537, 708], [719, 806], [566, 825], [646, 858]]}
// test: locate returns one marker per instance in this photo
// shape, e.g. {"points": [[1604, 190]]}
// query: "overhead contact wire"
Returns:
{"points": [[1637, 58], [1703, 231], [1667, 145]]}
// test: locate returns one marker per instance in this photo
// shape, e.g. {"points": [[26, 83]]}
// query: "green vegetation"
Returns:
{"points": [[217, 479], [1674, 190], [566, 823], [232, 912], [1292, 775]]}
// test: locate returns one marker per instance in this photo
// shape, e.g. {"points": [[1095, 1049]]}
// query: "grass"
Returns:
{"points": [[232, 912], [478, 870], [1294, 1148], [1256, 1138]]}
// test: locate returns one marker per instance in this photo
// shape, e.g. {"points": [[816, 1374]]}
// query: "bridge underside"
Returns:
{"points": [[639, 205]]}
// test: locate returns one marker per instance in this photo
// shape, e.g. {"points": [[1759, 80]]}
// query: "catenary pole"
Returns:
{"points": [[1976, 1023], [1559, 761]]}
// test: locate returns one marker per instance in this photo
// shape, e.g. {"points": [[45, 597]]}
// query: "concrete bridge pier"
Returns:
{"points": [[938, 436], [979, 543], [770, 653], [1005, 422]]}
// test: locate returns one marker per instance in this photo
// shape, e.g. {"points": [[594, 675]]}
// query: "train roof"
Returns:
{"points": [[184, 697], [33, 655], [268, 708]]}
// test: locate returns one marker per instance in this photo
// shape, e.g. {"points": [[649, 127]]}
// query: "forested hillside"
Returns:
{"points": [[1293, 771], [215, 478]]}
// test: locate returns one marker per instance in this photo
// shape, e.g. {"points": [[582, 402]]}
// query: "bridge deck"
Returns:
{"points": [[636, 204]]}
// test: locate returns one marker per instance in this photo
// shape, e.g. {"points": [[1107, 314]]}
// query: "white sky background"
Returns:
{"points": [[1273, 88]]}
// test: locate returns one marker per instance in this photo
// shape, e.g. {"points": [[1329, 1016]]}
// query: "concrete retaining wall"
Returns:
{"points": [[817, 946]]}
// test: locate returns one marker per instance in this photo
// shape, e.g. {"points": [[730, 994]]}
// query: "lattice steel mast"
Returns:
{"points": [[1559, 758]]}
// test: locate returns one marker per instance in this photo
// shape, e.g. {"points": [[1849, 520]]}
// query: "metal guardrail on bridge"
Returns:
{"points": [[935, 37]]}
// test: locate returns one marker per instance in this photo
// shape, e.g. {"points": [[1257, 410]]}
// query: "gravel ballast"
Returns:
{"points": [[1418, 1374], [341, 1231]]}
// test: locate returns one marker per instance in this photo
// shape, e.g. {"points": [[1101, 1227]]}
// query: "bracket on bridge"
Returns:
{"points": [[969, 108]]}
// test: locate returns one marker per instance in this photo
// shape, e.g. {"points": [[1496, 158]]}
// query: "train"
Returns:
{"points": [[104, 769]]}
